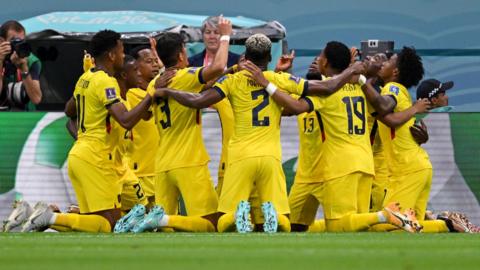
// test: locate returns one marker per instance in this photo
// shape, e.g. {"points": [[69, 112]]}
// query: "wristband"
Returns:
{"points": [[271, 88], [362, 80], [225, 38]]}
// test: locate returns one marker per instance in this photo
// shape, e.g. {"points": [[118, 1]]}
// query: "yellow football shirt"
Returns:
{"points": [[179, 127], [402, 153], [257, 117], [121, 145], [346, 148], [145, 142], [311, 137], [93, 93]]}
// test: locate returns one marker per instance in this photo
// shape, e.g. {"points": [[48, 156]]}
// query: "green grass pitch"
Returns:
{"points": [[70, 251]]}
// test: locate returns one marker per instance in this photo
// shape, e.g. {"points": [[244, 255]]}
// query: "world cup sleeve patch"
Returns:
{"points": [[110, 93], [394, 89], [192, 70], [295, 79]]}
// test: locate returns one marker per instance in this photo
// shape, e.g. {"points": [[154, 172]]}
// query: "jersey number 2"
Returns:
{"points": [[358, 104], [266, 120]]}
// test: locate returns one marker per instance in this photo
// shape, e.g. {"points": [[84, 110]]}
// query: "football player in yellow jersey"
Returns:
{"points": [[409, 165], [346, 158], [182, 160], [254, 149], [90, 169], [145, 132]]}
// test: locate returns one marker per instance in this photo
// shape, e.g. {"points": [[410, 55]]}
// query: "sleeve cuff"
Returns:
{"points": [[111, 103], [200, 76], [305, 89], [310, 103], [219, 91]]}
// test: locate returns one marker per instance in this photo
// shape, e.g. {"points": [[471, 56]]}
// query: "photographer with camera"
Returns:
{"points": [[19, 70]]}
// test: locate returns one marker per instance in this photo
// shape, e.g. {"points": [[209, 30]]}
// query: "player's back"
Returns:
{"points": [[403, 154], [257, 116], [145, 136], [94, 92], [346, 148], [179, 127], [311, 137]]}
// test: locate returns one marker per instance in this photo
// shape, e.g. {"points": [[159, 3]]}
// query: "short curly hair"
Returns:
{"points": [[258, 48], [103, 41], [410, 67]]}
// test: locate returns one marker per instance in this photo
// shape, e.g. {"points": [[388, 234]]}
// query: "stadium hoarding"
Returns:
{"points": [[35, 147]]}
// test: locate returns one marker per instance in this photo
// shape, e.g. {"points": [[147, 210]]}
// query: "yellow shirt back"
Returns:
{"points": [[145, 142], [93, 93], [346, 148], [311, 137], [402, 153], [179, 127], [257, 117]]}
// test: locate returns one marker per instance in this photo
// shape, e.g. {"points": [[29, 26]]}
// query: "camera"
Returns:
{"points": [[21, 47], [373, 46]]}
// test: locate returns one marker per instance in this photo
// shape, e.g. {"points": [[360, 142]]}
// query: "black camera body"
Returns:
{"points": [[373, 46], [21, 47]]}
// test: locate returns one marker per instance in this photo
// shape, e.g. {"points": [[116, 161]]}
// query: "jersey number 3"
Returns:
{"points": [[266, 120], [358, 104]]}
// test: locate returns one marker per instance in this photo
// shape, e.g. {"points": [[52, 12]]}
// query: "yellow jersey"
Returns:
{"points": [[402, 153], [121, 146], [346, 148], [257, 117], [94, 92], [179, 127], [311, 137], [145, 142]]}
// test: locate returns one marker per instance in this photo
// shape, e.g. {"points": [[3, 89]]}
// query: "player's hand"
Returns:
{"points": [[255, 73], [5, 49], [153, 47], [357, 68], [419, 132], [285, 62], [224, 26], [164, 79], [353, 54], [422, 105]]}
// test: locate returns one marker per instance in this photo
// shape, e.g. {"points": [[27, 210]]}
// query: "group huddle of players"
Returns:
{"points": [[139, 145]]}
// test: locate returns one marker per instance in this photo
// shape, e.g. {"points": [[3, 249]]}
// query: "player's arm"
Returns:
{"points": [[382, 104], [128, 119], [193, 100], [328, 87], [290, 105], [221, 57], [395, 119], [72, 128]]}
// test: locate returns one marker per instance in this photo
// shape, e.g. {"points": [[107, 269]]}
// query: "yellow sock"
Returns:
{"points": [[83, 223], [352, 223], [190, 224], [61, 228], [434, 226], [226, 223], [283, 223], [317, 226]]}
